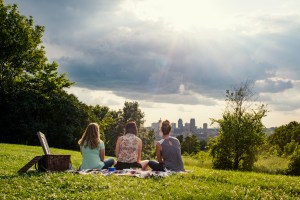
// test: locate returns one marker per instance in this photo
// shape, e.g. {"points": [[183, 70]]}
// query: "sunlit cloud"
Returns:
{"points": [[174, 54]]}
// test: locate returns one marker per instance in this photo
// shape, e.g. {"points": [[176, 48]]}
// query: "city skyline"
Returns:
{"points": [[183, 123]]}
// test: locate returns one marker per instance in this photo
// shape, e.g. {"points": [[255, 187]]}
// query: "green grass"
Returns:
{"points": [[271, 165], [201, 183]]}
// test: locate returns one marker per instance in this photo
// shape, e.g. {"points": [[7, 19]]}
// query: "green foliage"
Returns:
{"points": [[294, 163], [32, 96], [240, 132], [115, 128], [132, 112], [180, 138], [285, 135], [23, 63], [203, 159], [200, 183], [113, 131], [203, 145], [148, 139], [190, 145], [289, 148]]}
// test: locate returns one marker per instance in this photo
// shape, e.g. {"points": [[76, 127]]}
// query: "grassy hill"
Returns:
{"points": [[201, 183]]}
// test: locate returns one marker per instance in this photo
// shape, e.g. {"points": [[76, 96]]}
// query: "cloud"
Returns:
{"points": [[284, 102], [273, 86], [102, 46]]}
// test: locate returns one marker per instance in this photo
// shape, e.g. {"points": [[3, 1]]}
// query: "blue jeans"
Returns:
{"points": [[156, 166], [108, 163]]}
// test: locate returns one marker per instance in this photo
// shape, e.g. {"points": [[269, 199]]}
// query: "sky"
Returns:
{"points": [[175, 58]]}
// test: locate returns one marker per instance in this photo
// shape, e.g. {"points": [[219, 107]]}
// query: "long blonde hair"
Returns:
{"points": [[91, 136]]}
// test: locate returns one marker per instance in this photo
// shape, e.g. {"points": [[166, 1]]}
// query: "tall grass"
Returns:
{"points": [[200, 183], [271, 165]]}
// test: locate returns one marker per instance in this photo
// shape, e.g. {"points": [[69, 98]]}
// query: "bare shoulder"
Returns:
{"points": [[138, 138], [119, 139]]}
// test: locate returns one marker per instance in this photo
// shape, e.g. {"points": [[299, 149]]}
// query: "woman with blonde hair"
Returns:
{"points": [[93, 150]]}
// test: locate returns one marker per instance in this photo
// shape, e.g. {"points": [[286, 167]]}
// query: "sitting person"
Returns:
{"points": [[129, 149], [93, 150], [168, 152]]}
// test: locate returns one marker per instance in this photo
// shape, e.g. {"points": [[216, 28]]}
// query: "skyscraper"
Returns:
{"points": [[192, 125], [180, 124], [204, 126]]}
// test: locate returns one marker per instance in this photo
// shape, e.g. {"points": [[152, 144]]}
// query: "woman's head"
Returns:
{"points": [[131, 128], [165, 127], [91, 136]]}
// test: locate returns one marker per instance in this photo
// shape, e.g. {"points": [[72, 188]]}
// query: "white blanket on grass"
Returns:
{"points": [[129, 172]]}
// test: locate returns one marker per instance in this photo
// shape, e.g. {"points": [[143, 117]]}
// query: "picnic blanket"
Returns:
{"points": [[129, 172]]}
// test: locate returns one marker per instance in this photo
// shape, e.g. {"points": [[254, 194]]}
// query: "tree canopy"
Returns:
{"points": [[241, 131], [32, 96], [285, 138]]}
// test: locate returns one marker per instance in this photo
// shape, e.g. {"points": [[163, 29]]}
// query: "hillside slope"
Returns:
{"points": [[199, 184]]}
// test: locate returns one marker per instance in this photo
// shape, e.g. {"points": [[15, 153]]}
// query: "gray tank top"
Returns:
{"points": [[171, 154]]}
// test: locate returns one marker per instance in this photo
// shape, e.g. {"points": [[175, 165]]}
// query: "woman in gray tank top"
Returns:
{"points": [[168, 152]]}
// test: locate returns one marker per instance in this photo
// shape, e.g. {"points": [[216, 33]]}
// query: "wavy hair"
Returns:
{"points": [[91, 136]]}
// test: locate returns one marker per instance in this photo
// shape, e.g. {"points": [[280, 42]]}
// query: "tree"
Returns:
{"points": [[283, 138], [180, 138], [240, 132], [190, 145], [148, 139], [102, 117], [294, 163], [203, 145], [132, 112], [32, 96], [23, 63]]}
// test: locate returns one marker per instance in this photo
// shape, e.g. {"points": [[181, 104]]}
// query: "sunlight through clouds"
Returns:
{"points": [[176, 58], [178, 14]]}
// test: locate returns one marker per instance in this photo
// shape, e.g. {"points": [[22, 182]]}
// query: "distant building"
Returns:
{"points": [[173, 126], [156, 127], [193, 125], [187, 126], [180, 124], [204, 126], [190, 129]]}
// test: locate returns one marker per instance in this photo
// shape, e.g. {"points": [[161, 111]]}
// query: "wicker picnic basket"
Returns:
{"points": [[48, 162], [52, 163]]}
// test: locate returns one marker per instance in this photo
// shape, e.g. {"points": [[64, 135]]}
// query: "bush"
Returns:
{"points": [[294, 163], [289, 148]]}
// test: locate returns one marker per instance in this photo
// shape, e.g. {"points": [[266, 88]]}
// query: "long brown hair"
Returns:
{"points": [[90, 137], [131, 128]]}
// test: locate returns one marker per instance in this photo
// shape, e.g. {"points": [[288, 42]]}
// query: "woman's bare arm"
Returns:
{"points": [[158, 152], [117, 149], [102, 154], [140, 147]]}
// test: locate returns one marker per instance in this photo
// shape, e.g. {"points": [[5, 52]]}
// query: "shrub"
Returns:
{"points": [[289, 148], [294, 163]]}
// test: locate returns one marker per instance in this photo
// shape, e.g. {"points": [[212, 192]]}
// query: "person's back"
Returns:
{"points": [[91, 158], [168, 152], [171, 154], [93, 150], [128, 151]]}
